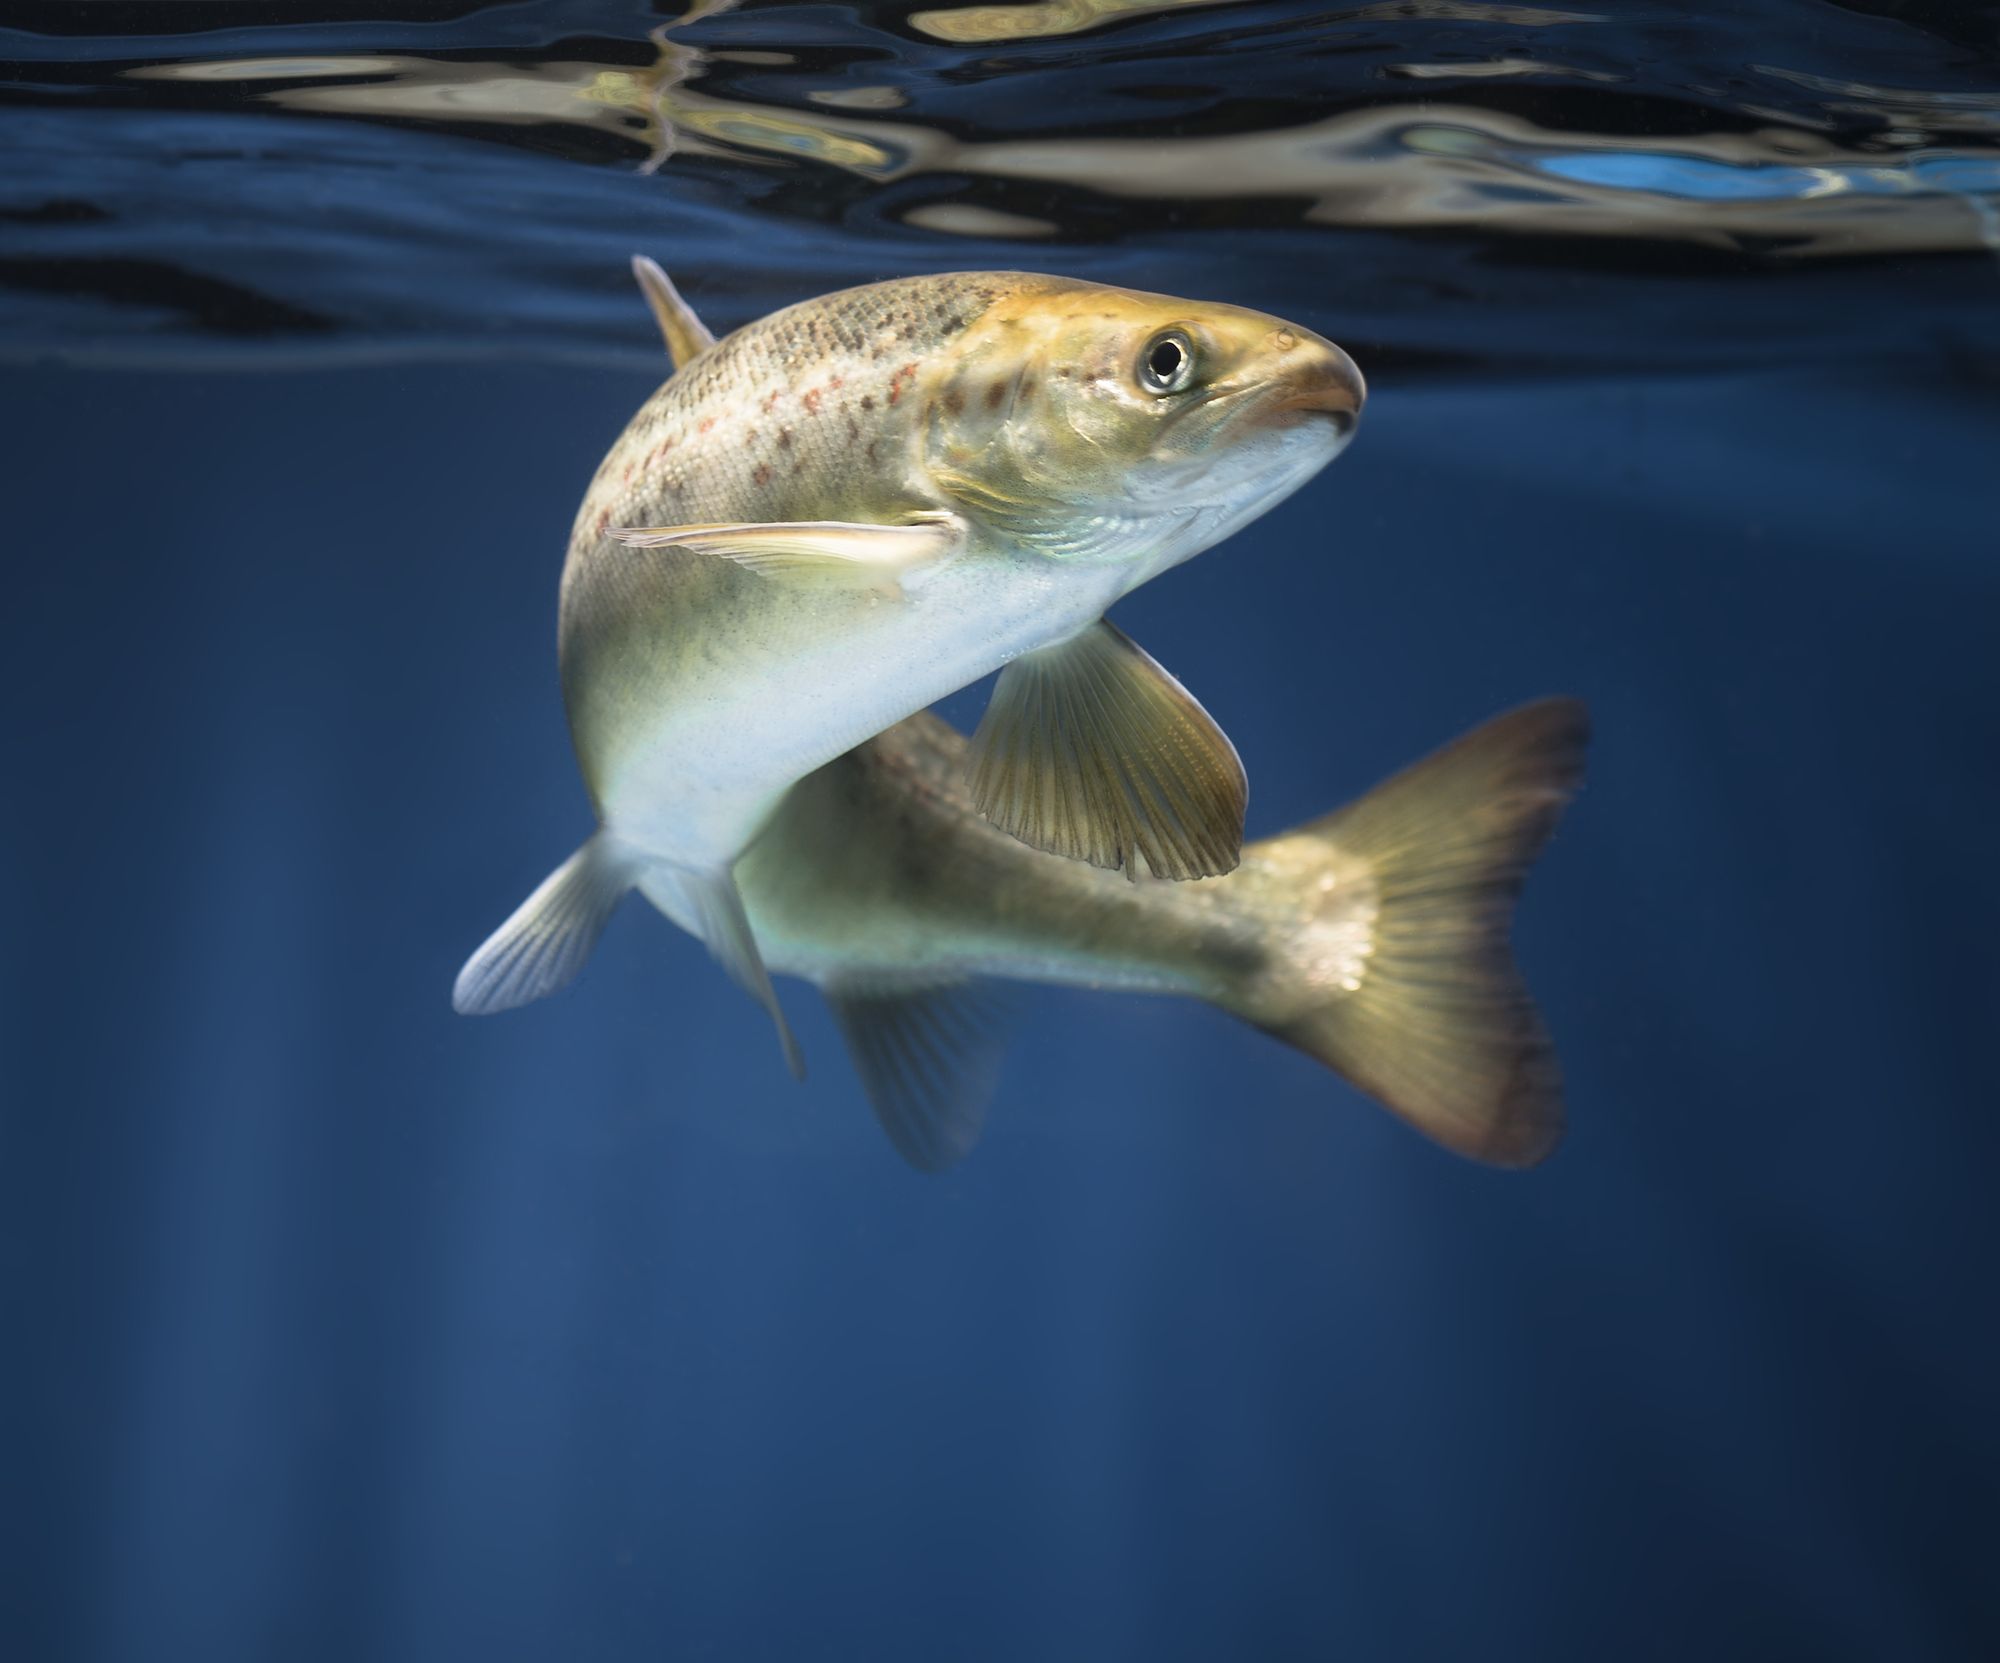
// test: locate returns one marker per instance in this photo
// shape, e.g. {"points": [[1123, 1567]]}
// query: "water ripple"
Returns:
{"points": [[407, 185]]}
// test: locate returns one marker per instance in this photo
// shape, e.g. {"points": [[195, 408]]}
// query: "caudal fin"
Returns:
{"points": [[1398, 972], [543, 945]]}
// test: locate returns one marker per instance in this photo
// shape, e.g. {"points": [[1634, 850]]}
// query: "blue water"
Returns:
{"points": [[341, 1327]]}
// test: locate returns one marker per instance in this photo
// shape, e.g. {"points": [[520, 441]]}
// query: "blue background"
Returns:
{"points": [[346, 1328]]}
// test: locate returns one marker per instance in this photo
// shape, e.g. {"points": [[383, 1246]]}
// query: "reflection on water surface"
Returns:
{"points": [[1432, 146]]}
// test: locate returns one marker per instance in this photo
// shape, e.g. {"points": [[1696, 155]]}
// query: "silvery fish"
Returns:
{"points": [[860, 504], [1374, 939]]}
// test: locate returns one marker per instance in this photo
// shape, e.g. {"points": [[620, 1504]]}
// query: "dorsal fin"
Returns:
{"points": [[687, 337]]}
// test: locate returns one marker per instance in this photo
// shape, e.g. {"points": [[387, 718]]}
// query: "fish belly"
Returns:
{"points": [[809, 676]]}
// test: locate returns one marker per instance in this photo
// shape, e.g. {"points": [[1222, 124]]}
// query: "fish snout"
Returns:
{"points": [[1320, 378]]}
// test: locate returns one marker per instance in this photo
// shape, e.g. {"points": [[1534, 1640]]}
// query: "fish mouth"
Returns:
{"points": [[1331, 385]]}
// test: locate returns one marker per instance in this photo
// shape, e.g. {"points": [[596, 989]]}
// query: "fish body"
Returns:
{"points": [[861, 504], [1374, 939], [700, 690], [878, 868]]}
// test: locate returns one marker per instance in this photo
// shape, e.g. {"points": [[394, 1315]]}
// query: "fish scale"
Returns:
{"points": [[811, 391]]}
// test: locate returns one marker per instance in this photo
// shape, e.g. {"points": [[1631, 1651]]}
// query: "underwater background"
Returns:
{"points": [[340, 1327]]}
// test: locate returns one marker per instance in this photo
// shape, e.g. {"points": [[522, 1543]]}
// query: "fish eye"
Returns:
{"points": [[1167, 364]]}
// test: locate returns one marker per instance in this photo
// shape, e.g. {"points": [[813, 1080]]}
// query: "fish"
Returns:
{"points": [[862, 503], [1374, 939]]}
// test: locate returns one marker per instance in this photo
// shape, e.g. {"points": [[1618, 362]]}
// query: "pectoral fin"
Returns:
{"points": [[687, 337], [1089, 749], [927, 1054], [828, 551]]}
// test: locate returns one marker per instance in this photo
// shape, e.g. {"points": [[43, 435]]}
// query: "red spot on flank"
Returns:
{"points": [[812, 401], [706, 423], [603, 521], [626, 477], [771, 399], [836, 384], [897, 381]]}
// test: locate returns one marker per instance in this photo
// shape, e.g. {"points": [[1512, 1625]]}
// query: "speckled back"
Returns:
{"points": [[805, 414]]}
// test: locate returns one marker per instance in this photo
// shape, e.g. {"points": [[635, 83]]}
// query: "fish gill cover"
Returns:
{"points": [[1527, 186]]}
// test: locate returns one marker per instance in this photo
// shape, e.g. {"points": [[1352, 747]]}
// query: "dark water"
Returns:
{"points": [[340, 1327]]}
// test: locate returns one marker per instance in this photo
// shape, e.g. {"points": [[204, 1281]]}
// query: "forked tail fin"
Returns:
{"points": [[1397, 970]]}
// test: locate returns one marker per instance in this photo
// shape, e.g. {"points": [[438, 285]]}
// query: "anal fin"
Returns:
{"points": [[928, 1054], [1090, 750], [725, 927]]}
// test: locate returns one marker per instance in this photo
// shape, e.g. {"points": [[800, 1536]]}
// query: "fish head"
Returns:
{"points": [[1105, 424]]}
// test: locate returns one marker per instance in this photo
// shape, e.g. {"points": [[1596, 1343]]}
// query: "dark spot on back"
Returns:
{"points": [[784, 438], [994, 394], [762, 473], [868, 401], [954, 401]]}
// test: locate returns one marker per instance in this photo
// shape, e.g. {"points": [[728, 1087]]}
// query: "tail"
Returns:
{"points": [[543, 945], [1398, 974]]}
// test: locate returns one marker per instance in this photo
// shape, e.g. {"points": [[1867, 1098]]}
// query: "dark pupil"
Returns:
{"points": [[1166, 359]]}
